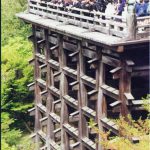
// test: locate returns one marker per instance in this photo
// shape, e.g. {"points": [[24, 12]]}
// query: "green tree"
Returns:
{"points": [[11, 25], [128, 128]]}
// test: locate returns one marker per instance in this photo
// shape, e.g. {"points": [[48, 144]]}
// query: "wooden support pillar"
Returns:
{"points": [[63, 91], [37, 90], [131, 20], [100, 103], [124, 87]]}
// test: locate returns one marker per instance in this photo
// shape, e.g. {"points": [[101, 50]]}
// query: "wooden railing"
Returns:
{"points": [[94, 21]]}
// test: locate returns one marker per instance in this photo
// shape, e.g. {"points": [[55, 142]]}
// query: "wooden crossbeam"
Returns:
{"points": [[31, 61], [42, 135], [31, 86], [130, 63], [89, 81], [43, 93], [54, 90], [110, 61], [93, 61], [140, 68], [140, 102], [31, 37], [70, 72], [73, 54], [42, 107], [57, 74], [93, 95], [43, 148], [55, 145], [41, 41], [71, 130], [54, 47], [33, 135], [115, 70], [31, 111], [74, 145], [116, 103], [44, 121], [43, 68], [129, 96], [57, 133], [107, 123], [92, 92], [89, 143], [71, 101], [88, 111], [41, 83], [73, 117], [110, 91], [54, 64], [55, 117], [40, 57], [75, 85], [57, 101]]}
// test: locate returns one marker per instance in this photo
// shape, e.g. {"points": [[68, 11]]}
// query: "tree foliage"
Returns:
{"points": [[128, 129], [11, 25], [15, 74]]}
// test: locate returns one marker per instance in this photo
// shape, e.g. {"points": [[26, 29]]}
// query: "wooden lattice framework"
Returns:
{"points": [[81, 74]]}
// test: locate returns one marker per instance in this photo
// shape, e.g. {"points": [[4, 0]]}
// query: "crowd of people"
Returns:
{"points": [[109, 7]]}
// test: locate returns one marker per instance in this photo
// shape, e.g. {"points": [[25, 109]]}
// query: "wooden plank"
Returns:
{"points": [[73, 54], [129, 96], [54, 64], [41, 41], [44, 121], [70, 72], [89, 53], [111, 92], [54, 48], [75, 145], [110, 125], [110, 61], [42, 135], [92, 92], [88, 111], [140, 102], [42, 108], [54, 90], [31, 111], [55, 117], [41, 83], [130, 63], [115, 70], [31, 38], [89, 143], [31, 86], [89, 81], [32, 61], [116, 103], [43, 93], [94, 60], [71, 101]]}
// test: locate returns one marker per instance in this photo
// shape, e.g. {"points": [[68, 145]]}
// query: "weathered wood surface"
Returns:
{"points": [[72, 95]]}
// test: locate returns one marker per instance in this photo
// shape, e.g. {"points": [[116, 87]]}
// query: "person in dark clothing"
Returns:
{"points": [[141, 8], [121, 7]]}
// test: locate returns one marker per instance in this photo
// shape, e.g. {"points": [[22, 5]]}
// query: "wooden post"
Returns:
{"points": [[131, 20]]}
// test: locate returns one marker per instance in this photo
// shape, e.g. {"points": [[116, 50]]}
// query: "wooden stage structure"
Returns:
{"points": [[84, 67]]}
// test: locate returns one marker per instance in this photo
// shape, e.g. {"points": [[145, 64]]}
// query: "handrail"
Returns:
{"points": [[115, 25]]}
